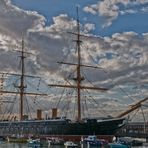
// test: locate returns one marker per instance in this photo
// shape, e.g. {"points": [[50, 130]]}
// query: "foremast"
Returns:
{"points": [[22, 85]]}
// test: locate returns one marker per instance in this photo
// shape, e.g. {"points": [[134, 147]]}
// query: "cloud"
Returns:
{"points": [[89, 27], [144, 9], [121, 52], [122, 57], [13, 23], [26, 19], [91, 9], [129, 11], [111, 9]]}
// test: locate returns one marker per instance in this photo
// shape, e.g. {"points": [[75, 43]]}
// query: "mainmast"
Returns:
{"points": [[78, 68], [22, 87], [78, 86]]}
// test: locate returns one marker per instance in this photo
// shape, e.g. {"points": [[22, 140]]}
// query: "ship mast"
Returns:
{"points": [[78, 78], [22, 87], [78, 68]]}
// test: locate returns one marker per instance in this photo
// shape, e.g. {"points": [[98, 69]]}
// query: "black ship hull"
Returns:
{"points": [[61, 127]]}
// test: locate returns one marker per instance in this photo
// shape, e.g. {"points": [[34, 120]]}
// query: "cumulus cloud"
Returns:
{"points": [[111, 9], [91, 9], [25, 20], [123, 57]]}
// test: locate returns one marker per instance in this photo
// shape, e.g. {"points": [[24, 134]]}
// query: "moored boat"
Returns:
{"points": [[117, 145], [34, 143], [70, 144], [93, 141], [17, 138], [55, 141]]}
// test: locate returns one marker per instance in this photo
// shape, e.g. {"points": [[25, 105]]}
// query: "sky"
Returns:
{"points": [[117, 42]]}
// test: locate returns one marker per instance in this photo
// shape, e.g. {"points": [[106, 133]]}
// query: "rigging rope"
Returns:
{"points": [[103, 111], [10, 110], [143, 118], [107, 74], [57, 105], [65, 108], [135, 114], [28, 107]]}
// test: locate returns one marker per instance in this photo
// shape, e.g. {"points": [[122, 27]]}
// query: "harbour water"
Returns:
{"points": [[23, 145], [20, 145]]}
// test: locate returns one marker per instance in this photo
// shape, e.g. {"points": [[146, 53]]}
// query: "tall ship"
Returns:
{"points": [[55, 125]]}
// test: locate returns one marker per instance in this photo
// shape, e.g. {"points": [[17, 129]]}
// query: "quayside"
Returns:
{"points": [[104, 127]]}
